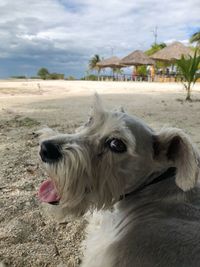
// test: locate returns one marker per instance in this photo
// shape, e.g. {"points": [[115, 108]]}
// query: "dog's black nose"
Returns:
{"points": [[50, 152]]}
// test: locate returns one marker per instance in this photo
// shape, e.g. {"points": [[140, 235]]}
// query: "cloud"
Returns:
{"points": [[63, 34]]}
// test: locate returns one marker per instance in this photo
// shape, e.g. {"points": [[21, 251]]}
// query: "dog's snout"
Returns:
{"points": [[50, 152]]}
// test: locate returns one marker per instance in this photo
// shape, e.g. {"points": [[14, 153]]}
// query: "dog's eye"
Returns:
{"points": [[116, 145]]}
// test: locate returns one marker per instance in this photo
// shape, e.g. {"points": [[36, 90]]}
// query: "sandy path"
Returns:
{"points": [[27, 237]]}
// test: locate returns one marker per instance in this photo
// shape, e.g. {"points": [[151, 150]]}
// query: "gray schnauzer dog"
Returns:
{"points": [[140, 185]]}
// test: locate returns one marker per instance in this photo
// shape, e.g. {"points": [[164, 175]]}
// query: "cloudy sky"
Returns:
{"points": [[62, 35]]}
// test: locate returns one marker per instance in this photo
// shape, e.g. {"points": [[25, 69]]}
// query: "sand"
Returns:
{"points": [[28, 237]]}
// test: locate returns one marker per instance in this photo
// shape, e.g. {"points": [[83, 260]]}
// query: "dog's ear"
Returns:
{"points": [[98, 109], [174, 148]]}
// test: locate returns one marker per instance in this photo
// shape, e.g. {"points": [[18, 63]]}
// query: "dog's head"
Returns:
{"points": [[109, 156]]}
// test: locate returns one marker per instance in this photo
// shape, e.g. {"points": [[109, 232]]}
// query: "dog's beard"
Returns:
{"points": [[70, 179], [109, 186], [78, 187]]}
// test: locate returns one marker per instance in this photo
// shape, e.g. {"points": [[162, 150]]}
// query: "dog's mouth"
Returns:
{"points": [[47, 193]]}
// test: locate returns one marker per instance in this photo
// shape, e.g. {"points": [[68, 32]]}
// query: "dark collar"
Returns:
{"points": [[171, 172]]}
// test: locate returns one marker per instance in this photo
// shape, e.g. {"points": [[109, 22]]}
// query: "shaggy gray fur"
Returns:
{"points": [[155, 226]]}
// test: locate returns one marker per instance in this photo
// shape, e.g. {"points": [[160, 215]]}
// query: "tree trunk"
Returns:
{"points": [[98, 74], [188, 97]]}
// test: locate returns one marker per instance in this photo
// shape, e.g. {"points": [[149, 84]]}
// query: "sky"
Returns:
{"points": [[62, 35]]}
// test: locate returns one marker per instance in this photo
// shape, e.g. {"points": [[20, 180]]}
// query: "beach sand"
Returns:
{"points": [[27, 236]]}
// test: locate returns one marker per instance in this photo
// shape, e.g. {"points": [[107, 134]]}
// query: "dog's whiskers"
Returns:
{"points": [[109, 167]]}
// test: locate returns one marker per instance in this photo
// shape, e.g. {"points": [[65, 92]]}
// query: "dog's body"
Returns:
{"points": [[149, 229], [144, 183]]}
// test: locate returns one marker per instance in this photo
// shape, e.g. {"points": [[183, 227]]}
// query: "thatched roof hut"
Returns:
{"points": [[112, 62], [172, 52], [137, 58]]}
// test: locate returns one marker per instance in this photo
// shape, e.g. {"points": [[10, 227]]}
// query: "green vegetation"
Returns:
{"points": [[19, 77], [90, 77], [117, 71], [142, 70], [188, 67], [70, 78], [56, 76], [155, 48], [19, 121], [93, 64], [195, 38], [44, 74]]}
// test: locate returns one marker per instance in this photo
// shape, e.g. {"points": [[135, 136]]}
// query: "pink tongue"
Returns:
{"points": [[47, 192]]}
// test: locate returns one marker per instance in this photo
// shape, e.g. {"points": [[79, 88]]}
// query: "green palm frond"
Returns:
{"points": [[195, 38], [188, 68], [93, 62]]}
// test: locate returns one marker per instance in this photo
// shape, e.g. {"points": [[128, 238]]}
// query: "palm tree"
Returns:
{"points": [[93, 64], [188, 68], [154, 48], [195, 38]]}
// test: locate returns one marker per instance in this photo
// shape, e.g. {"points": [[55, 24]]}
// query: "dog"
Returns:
{"points": [[140, 185]]}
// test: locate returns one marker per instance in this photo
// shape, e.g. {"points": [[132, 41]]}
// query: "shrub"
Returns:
{"points": [[71, 78], [56, 76], [43, 73], [90, 77]]}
